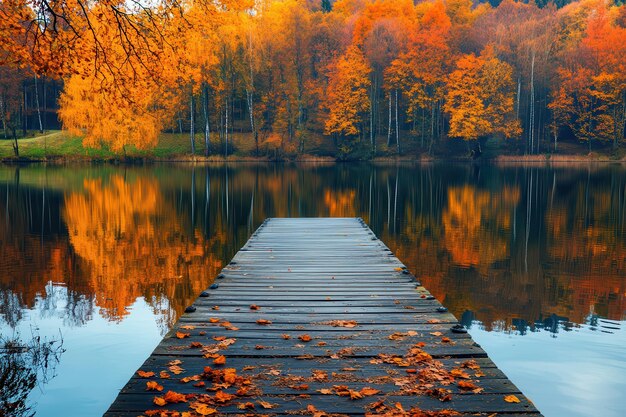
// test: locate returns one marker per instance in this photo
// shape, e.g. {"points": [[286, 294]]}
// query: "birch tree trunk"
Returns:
{"points": [[397, 127], [389, 127], [226, 129], [192, 132], [531, 126], [205, 111], [37, 104]]}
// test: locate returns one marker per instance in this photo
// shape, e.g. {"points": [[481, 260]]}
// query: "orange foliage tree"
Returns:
{"points": [[274, 71]]}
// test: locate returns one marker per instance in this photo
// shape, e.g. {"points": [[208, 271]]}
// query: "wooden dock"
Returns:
{"points": [[318, 317]]}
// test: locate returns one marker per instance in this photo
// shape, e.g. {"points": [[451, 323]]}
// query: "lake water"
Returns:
{"points": [[531, 259]]}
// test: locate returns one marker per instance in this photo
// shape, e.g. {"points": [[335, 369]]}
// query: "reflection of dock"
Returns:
{"points": [[316, 316]]}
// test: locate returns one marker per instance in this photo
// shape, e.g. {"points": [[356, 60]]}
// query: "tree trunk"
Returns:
{"points": [[37, 104], [205, 111], [531, 126], [4, 120], [16, 148], [192, 127], [389, 127], [397, 126], [226, 130]]}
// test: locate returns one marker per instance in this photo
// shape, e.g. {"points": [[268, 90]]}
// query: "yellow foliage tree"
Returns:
{"points": [[480, 97]]}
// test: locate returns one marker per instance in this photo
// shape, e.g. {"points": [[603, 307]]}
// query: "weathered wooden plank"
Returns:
{"points": [[367, 323]]}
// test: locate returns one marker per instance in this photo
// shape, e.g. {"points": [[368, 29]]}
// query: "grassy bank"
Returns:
{"points": [[60, 146]]}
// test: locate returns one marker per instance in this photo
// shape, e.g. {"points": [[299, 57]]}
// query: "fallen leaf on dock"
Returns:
{"points": [[266, 405], [159, 401], [144, 374], [511, 399], [153, 386]]}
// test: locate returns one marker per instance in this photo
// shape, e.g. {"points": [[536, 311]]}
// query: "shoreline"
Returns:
{"points": [[541, 159]]}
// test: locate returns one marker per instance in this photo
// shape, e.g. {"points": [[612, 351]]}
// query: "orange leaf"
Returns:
{"points": [[144, 374], [511, 399], [182, 335], [159, 401], [263, 322], [355, 395], [214, 320], [205, 410], [164, 375], [244, 406], [187, 327], [223, 397], [305, 338], [285, 336], [369, 391], [220, 360], [468, 385], [174, 397], [254, 307], [153, 386]]}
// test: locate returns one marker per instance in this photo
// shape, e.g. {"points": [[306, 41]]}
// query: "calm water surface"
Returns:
{"points": [[532, 260]]}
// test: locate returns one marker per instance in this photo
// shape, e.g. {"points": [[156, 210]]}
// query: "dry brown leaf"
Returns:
{"points": [[266, 405], [254, 307], [437, 334], [263, 322], [164, 375], [214, 320], [159, 401], [220, 360], [286, 336], [305, 338], [187, 327], [181, 335]]}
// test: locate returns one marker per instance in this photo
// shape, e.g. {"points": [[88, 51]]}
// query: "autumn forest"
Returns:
{"points": [[379, 77]]}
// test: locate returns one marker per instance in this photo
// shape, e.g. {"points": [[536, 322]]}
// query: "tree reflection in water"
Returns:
{"points": [[25, 365], [517, 245]]}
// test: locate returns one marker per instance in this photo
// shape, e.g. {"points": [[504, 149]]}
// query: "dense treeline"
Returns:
{"points": [[361, 72]]}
